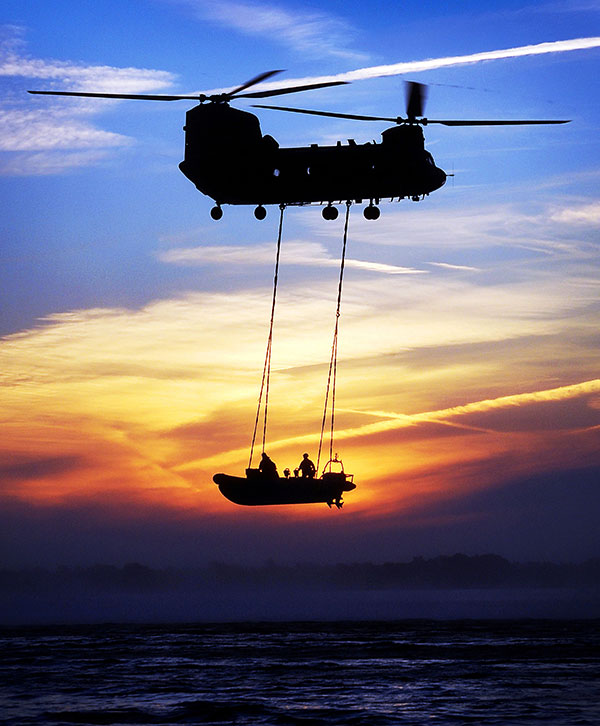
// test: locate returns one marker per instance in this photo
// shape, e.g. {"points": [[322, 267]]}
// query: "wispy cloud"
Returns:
{"points": [[560, 226], [47, 125], [15, 62], [53, 129], [48, 162], [582, 214], [306, 254], [315, 33]]}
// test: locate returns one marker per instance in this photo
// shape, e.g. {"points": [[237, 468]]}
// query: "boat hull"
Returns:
{"points": [[261, 491]]}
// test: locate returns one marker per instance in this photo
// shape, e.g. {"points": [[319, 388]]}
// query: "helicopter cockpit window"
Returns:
{"points": [[276, 172]]}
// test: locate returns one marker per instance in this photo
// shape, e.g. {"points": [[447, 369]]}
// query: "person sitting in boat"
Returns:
{"points": [[267, 467], [307, 467]]}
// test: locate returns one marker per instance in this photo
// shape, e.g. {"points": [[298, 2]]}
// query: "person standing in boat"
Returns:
{"points": [[307, 467], [267, 467]]}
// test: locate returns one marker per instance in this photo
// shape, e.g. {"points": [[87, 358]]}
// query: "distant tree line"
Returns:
{"points": [[455, 571]]}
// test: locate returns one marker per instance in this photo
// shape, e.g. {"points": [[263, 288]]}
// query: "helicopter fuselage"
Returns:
{"points": [[229, 160]]}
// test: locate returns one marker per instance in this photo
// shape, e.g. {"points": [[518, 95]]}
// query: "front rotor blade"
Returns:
{"points": [[136, 96], [253, 81], [416, 94], [352, 116], [493, 123], [293, 89]]}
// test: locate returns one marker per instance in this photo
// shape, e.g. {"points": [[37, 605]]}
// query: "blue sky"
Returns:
{"points": [[133, 318], [59, 152]]}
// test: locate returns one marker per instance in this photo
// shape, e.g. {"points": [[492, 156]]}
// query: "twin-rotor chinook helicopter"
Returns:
{"points": [[228, 158]]}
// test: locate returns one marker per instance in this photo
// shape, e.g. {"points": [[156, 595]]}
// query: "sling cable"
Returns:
{"points": [[264, 486]]}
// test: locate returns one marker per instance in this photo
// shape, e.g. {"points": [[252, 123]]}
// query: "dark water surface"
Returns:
{"points": [[354, 673]]}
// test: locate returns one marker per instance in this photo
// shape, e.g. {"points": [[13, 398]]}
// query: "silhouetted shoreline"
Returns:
{"points": [[457, 586], [455, 571]]}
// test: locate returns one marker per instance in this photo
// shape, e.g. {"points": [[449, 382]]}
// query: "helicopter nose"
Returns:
{"points": [[441, 178]]}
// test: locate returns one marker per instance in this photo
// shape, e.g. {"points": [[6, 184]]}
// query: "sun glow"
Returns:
{"points": [[151, 422]]}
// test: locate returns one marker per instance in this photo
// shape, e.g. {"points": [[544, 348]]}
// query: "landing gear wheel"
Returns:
{"points": [[260, 212], [371, 212], [330, 212], [216, 212]]}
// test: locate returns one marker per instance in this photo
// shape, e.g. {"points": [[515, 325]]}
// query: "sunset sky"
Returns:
{"points": [[134, 326]]}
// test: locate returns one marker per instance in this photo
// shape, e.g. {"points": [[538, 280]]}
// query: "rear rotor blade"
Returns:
{"points": [[353, 116], [493, 122], [400, 120]]}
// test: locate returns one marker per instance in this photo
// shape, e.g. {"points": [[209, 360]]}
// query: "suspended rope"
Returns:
{"points": [[332, 376], [266, 376]]}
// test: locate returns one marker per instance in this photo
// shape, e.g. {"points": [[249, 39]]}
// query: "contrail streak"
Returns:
{"points": [[398, 69], [399, 420]]}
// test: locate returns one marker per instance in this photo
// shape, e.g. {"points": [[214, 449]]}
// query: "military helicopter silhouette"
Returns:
{"points": [[228, 158]]}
